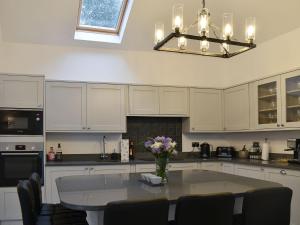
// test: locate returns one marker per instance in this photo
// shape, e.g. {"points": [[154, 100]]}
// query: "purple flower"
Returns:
{"points": [[148, 143]]}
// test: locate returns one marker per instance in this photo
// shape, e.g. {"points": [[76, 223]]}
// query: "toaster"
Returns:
{"points": [[225, 152]]}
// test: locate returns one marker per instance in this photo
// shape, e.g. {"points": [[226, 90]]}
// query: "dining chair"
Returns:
{"points": [[212, 209], [148, 212], [269, 206], [50, 209]]}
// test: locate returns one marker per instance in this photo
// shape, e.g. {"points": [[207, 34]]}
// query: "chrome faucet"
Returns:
{"points": [[103, 155]]}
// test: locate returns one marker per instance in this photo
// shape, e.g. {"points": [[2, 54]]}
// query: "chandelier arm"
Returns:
{"points": [[190, 26]]}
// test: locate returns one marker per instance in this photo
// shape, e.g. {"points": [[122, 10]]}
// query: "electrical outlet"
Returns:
{"points": [[195, 144]]}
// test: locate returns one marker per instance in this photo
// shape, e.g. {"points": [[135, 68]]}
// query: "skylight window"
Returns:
{"points": [[101, 15], [102, 20]]}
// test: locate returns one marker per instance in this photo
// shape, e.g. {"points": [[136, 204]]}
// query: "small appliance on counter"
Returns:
{"points": [[225, 152], [205, 150], [294, 145], [244, 153], [255, 151]]}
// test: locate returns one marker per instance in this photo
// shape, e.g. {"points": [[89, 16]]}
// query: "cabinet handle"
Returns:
{"points": [[278, 125], [88, 128], [283, 172], [86, 168], [262, 169], [39, 106], [282, 125], [91, 169]]}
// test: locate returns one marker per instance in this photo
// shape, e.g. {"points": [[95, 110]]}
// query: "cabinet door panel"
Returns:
{"points": [[212, 166], [205, 110], [10, 205], [21, 91], [173, 101], [291, 180], [106, 108], [237, 112], [144, 100], [110, 169], [65, 106], [251, 172], [268, 103], [290, 87], [182, 166]]}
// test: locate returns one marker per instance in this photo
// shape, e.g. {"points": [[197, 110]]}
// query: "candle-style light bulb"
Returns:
{"points": [[227, 25], [177, 19], [204, 46], [159, 33], [182, 43], [203, 22], [250, 29]]}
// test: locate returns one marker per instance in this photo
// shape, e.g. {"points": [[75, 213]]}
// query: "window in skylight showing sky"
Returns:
{"points": [[101, 15]]}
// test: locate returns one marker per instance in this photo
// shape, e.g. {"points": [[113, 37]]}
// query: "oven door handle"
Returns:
{"points": [[18, 154]]}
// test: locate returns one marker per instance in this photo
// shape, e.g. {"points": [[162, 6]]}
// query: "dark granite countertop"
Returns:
{"points": [[93, 160], [93, 192]]}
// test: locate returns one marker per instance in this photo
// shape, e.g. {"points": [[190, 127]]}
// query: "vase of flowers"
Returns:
{"points": [[162, 148]]}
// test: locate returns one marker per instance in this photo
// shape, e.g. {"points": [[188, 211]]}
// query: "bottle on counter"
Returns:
{"points": [[131, 150], [58, 155], [51, 154], [265, 150]]}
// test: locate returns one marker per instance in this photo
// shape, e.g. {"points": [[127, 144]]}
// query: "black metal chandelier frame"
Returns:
{"points": [[245, 46]]}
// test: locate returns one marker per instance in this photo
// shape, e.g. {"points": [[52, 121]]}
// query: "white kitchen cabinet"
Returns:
{"points": [[251, 171], [10, 209], [21, 91], [52, 173], [109, 169], [106, 110], [291, 179], [173, 101], [236, 108], [182, 166], [206, 112], [228, 168], [65, 106], [143, 100], [290, 98], [145, 168], [268, 103]]}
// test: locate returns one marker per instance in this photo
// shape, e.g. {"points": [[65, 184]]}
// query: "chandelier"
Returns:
{"points": [[229, 47]]}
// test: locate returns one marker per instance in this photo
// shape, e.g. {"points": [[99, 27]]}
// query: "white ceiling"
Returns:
{"points": [[53, 21]]}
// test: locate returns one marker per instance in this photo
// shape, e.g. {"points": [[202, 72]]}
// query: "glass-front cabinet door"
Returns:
{"points": [[290, 83], [268, 105]]}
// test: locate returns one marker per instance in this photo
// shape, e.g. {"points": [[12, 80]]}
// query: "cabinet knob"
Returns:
{"points": [[278, 125], [88, 128], [86, 168], [83, 128], [262, 169], [282, 125], [39, 106], [283, 172]]}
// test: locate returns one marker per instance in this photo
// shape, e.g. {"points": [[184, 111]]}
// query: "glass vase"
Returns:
{"points": [[162, 168]]}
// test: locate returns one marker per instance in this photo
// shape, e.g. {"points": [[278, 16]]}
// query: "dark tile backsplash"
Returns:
{"points": [[141, 128]]}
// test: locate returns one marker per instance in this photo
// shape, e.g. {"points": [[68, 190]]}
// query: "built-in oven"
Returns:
{"points": [[21, 122], [20, 163]]}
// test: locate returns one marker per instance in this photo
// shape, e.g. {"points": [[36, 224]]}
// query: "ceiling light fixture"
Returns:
{"points": [[205, 27]]}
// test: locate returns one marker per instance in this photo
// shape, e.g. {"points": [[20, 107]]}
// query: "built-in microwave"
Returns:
{"points": [[21, 122]]}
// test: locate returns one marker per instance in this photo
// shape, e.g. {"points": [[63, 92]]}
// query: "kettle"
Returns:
{"points": [[205, 149]]}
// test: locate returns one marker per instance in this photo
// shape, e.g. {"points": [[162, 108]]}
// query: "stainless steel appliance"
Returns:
{"points": [[205, 150], [21, 122], [225, 152], [255, 151], [294, 145], [19, 160]]}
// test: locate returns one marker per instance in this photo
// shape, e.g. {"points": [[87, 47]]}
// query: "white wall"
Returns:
{"points": [[94, 64], [275, 56]]}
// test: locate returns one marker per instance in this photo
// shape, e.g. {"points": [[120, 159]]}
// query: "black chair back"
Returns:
{"points": [[214, 209], [153, 212], [27, 202], [35, 181], [270, 206]]}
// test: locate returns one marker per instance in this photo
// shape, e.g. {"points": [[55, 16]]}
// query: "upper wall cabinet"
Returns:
{"points": [[143, 100], [163, 101], [236, 108], [85, 107], [268, 103], [21, 91], [290, 87], [205, 111], [174, 101], [106, 107], [65, 106]]}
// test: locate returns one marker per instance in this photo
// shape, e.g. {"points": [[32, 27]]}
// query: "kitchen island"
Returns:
{"points": [[92, 193]]}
